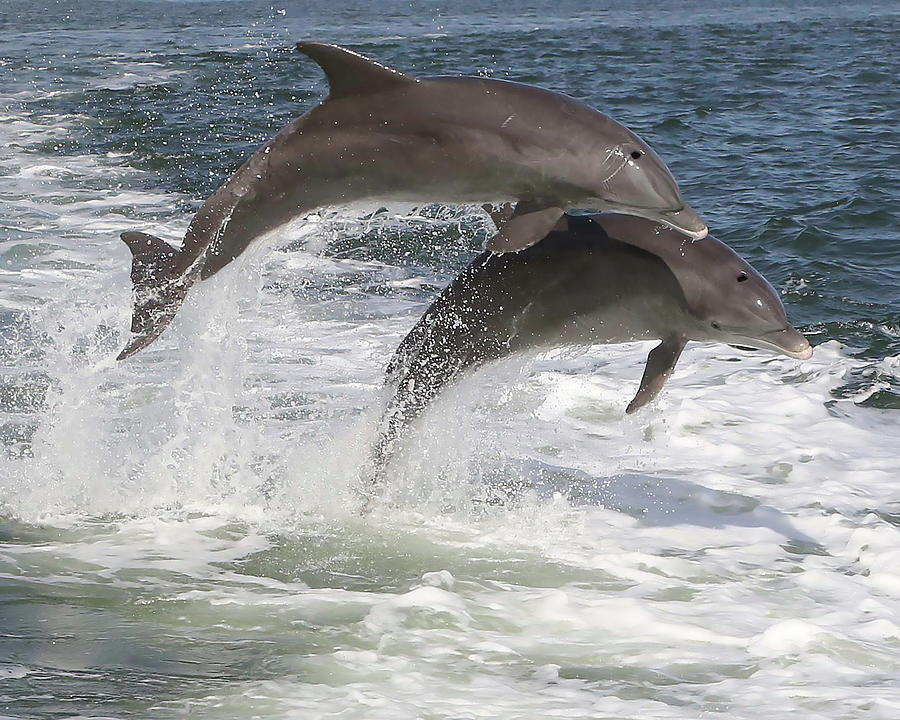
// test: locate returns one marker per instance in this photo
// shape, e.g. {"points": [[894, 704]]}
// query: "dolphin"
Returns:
{"points": [[381, 134], [605, 278]]}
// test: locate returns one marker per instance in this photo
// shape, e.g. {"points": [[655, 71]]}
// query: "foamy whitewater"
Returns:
{"points": [[177, 535]]}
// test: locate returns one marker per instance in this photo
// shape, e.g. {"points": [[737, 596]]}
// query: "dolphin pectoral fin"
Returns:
{"points": [[157, 295], [500, 214], [350, 73], [660, 364], [529, 224]]}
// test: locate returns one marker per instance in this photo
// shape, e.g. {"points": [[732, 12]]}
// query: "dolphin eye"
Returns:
{"points": [[716, 325], [635, 154], [742, 277]]}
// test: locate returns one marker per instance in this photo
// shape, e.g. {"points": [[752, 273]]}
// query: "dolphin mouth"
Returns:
{"points": [[686, 221], [786, 341]]}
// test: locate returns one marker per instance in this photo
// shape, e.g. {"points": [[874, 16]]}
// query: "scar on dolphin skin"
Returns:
{"points": [[382, 135], [593, 280]]}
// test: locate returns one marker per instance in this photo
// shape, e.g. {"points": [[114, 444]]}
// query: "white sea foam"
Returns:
{"points": [[123, 75]]}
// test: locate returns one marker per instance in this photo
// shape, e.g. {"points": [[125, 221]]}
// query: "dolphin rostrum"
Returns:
{"points": [[595, 279], [384, 135]]}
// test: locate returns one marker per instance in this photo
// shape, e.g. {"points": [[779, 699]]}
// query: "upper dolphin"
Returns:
{"points": [[381, 134]]}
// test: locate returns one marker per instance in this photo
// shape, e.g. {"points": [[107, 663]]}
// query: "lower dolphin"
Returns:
{"points": [[595, 279]]}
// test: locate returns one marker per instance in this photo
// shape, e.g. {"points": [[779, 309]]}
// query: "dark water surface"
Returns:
{"points": [[780, 124]]}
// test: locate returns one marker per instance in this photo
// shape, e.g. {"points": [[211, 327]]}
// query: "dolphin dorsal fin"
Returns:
{"points": [[350, 73]]}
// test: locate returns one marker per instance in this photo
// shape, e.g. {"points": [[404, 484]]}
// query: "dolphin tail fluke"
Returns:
{"points": [[157, 294]]}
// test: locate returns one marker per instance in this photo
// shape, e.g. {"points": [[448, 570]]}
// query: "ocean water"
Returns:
{"points": [[177, 535]]}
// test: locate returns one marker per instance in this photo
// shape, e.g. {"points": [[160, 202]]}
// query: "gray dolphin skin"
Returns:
{"points": [[595, 279], [382, 135]]}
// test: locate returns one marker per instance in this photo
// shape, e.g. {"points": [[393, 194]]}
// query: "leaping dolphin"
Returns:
{"points": [[595, 279], [381, 134]]}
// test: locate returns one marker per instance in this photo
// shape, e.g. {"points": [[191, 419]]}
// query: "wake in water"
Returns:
{"points": [[230, 412], [289, 350]]}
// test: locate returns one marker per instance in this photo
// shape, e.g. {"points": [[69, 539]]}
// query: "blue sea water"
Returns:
{"points": [[176, 532]]}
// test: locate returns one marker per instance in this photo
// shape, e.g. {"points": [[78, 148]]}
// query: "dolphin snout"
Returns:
{"points": [[790, 342], [686, 221]]}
